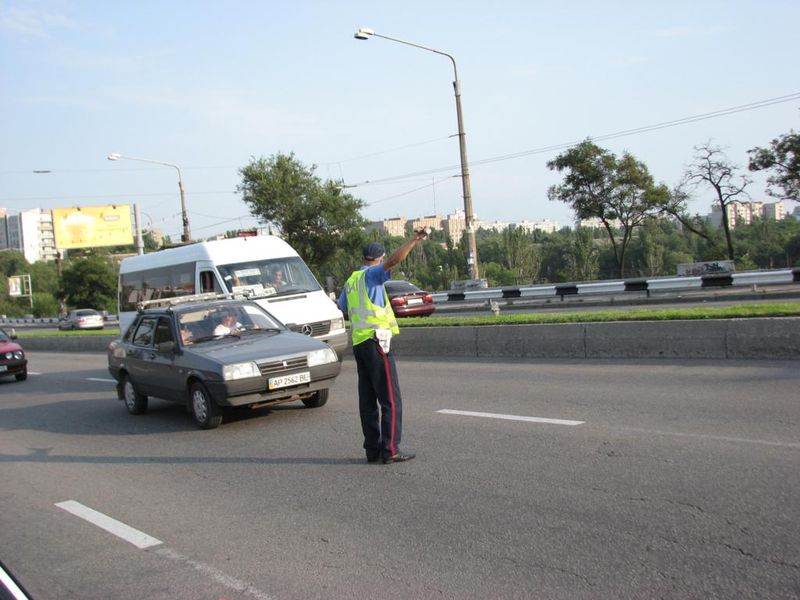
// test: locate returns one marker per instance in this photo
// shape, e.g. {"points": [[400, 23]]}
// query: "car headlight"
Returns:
{"points": [[19, 354], [321, 357], [240, 371], [9, 355], [337, 323]]}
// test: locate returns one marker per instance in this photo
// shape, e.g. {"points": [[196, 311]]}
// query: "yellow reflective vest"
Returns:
{"points": [[365, 316]]}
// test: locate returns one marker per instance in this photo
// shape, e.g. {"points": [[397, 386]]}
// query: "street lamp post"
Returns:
{"points": [[186, 237], [469, 221]]}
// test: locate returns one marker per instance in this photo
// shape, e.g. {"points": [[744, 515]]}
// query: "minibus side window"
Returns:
{"points": [[208, 283]]}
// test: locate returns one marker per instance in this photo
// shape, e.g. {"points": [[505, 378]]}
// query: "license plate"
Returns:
{"points": [[3, 368], [289, 380], [412, 301]]}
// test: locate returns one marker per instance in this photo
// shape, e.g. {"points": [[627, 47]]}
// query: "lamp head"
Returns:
{"points": [[363, 33]]}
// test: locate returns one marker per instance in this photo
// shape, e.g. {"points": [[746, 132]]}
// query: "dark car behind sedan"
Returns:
{"points": [[212, 355], [408, 300]]}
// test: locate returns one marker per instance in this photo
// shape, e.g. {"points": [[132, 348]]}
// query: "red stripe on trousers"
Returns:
{"points": [[390, 387]]}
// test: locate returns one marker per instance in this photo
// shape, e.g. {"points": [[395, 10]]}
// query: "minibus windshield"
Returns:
{"points": [[277, 276]]}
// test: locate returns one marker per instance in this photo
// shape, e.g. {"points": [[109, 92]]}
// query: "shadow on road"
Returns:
{"points": [[107, 416]]}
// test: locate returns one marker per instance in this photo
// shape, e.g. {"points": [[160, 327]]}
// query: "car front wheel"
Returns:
{"points": [[21, 376], [318, 399], [135, 402], [207, 413]]}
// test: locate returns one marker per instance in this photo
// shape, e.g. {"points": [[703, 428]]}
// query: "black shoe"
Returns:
{"points": [[373, 457], [399, 457]]}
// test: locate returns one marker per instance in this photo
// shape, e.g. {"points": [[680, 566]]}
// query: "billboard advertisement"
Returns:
{"points": [[91, 226], [15, 286]]}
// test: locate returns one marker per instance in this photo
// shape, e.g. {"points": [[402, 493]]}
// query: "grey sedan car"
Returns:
{"points": [[216, 354], [82, 318]]}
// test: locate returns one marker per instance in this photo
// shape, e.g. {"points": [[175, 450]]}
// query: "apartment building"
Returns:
{"points": [[30, 232], [743, 213]]}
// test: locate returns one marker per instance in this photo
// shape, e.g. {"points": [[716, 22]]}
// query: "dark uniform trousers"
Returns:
{"points": [[378, 386]]}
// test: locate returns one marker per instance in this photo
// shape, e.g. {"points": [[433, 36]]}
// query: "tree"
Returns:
{"points": [[782, 159], [520, 256], [583, 256], [90, 282], [620, 192], [710, 166], [316, 218]]}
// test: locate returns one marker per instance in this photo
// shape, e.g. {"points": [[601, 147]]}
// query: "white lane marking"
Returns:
{"points": [[215, 574], [33, 373], [101, 380], [469, 413], [129, 534], [11, 586]]}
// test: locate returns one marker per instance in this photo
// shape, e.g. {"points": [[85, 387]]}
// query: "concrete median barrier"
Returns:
{"points": [[766, 338]]}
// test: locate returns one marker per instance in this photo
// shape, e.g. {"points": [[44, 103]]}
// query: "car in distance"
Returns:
{"points": [[82, 318], [214, 354], [12, 356], [408, 300]]}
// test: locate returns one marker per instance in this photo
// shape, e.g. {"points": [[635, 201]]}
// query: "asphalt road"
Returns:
{"points": [[658, 479]]}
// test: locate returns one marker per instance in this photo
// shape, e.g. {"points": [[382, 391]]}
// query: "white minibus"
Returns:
{"points": [[263, 266]]}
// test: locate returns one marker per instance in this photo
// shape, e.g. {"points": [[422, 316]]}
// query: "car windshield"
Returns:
{"points": [[88, 312], [4, 337], [273, 277], [232, 318]]}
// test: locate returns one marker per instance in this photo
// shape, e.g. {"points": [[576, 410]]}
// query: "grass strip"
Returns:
{"points": [[739, 311]]}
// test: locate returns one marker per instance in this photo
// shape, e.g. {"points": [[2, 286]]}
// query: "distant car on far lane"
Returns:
{"points": [[82, 318], [408, 300], [12, 356]]}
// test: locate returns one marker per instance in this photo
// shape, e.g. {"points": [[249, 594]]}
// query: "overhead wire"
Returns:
{"points": [[407, 176]]}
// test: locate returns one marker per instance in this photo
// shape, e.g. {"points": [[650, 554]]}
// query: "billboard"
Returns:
{"points": [[15, 286], [90, 226]]}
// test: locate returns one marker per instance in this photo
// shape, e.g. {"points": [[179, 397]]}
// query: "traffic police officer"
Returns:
{"points": [[372, 325]]}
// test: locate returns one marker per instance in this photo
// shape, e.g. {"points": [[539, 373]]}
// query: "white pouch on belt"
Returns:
{"points": [[384, 337]]}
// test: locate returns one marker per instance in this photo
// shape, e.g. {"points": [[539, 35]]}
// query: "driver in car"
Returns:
{"points": [[227, 324]]}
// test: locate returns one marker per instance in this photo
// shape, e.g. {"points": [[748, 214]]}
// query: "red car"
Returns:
{"points": [[12, 357], [408, 300]]}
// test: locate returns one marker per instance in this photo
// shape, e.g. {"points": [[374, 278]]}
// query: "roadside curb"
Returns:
{"points": [[763, 338]]}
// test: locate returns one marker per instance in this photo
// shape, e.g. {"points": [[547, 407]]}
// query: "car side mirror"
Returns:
{"points": [[12, 333], [166, 347]]}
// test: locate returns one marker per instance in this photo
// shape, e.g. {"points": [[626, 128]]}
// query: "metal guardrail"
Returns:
{"points": [[587, 288], [655, 284]]}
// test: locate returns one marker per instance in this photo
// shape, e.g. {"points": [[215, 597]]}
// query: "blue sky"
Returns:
{"points": [[207, 85]]}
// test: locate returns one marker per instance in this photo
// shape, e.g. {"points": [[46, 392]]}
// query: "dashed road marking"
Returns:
{"points": [[141, 540], [215, 574], [118, 528], [485, 415], [101, 379]]}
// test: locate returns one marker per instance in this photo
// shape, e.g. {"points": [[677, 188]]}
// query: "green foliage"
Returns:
{"points": [[44, 278], [316, 218], [583, 256], [45, 304], [90, 282], [768, 244], [520, 256], [498, 275], [13, 262], [782, 160], [599, 185]]}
